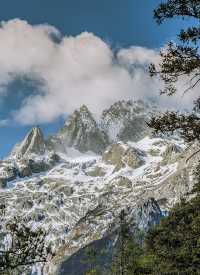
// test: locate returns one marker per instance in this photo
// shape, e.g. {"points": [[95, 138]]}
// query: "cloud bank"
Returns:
{"points": [[74, 71]]}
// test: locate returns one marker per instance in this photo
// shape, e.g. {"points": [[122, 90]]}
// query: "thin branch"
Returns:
{"points": [[194, 154]]}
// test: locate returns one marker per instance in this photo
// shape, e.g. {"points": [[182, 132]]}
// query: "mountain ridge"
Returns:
{"points": [[84, 133], [78, 197]]}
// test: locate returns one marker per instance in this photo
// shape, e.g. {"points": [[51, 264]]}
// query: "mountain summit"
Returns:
{"points": [[126, 120], [33, 143], [123, 121], [82, 132]]}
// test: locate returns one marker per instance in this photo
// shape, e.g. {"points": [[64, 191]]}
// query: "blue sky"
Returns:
{"points": [[121, 23]]}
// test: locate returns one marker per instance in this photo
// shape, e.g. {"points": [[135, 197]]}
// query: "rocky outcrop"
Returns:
{"points": [[171, 153], [29, 166], [8, 172], [55, 144], [147, 214], [23, 168], [121, 155], [119, 183], [32, 156], [96, 171]]}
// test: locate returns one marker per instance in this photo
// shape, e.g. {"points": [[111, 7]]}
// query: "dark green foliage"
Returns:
{"points": [[93, 272], [173, 247], [175, 243], [174, 8], [92, 259], [196, 188], [127, 258], [179, 60], [187, 126]]}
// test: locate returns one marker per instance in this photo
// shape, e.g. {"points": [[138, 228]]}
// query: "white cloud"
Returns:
{"points": [[77, 70], [136, 55], [4, 122]]}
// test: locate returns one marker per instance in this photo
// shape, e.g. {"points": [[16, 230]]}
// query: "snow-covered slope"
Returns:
{"points": [[78, 196]]}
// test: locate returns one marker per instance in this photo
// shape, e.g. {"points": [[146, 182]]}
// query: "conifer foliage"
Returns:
{"points": [[174, 244], [126, 261], [179, 61]]}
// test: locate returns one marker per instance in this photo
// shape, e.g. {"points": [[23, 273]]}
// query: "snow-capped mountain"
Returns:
{"points": [[33, 143], [126, 120], [80, 131], [123, 121], [28, 157], [77, 198]]}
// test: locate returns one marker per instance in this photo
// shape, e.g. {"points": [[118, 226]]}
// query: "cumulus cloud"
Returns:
{"points": [[73, 71], [136, 55]]}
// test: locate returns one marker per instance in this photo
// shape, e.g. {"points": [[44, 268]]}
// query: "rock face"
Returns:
{"points": [[82, 132], [8, 172], [147, 214], [171, 153], [33, 143], [31, 156], [121, 155], [123, 121], [119, 183], [79, 198], [126, 120], [143, 217], [23, 169]]}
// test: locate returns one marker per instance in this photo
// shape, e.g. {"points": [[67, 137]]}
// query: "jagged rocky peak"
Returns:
{"points": [[123, 121], [33, 143], [82, 132], [126, 120], [82, 116], [123, 107]]}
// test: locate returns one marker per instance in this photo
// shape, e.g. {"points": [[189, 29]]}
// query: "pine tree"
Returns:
{"points": [[126, 260], [182, 58], [179, 60], [173, 246]]}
